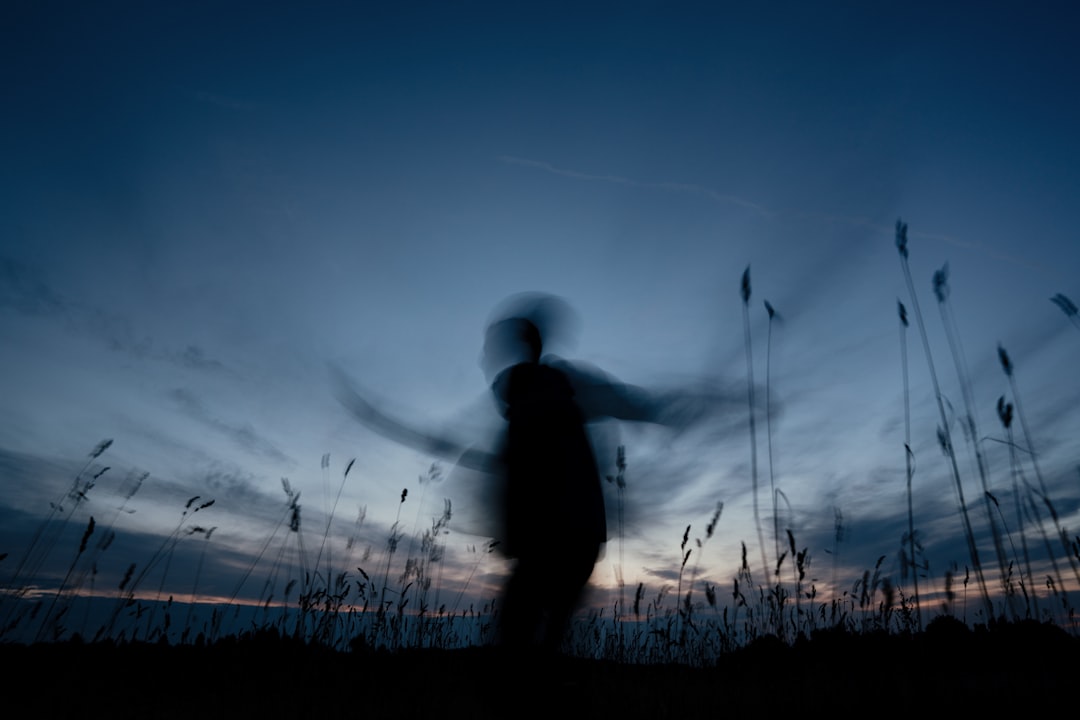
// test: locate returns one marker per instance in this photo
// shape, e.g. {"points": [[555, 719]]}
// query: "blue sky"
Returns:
{"points": [[204, 205]]}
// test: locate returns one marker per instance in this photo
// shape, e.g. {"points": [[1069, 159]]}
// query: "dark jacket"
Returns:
{"points": [[552, 493]]}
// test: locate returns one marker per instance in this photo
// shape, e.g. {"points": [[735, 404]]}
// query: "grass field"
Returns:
{"points": [[358, 643]]}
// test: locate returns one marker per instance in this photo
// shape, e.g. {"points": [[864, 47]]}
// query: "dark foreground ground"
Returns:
{"points": [[1015, 668]]}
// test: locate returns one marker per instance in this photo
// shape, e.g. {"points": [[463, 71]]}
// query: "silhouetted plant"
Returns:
{"points": [[773, 317], [908, 560], [969, 422], [1068, 307], [744, 291], [943, 430], [49, 531], [1063, 536]]}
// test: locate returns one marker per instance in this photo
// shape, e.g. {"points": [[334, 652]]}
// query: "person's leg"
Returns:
{"points": [[567, 576], [521, 611]]}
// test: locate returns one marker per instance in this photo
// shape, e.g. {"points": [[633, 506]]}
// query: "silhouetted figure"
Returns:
{"points": [[553, 504], [549, 497]]}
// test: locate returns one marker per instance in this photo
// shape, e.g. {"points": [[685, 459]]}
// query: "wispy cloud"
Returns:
{"points": [[877, 228], [24, 290], [684, 188], [195, 357], [986, 250], [243, 435], [33, 480]]}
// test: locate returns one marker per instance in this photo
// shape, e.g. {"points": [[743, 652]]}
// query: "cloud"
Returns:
{"points": [[25, 291], [983, 249], [195, 357], [34, 481], [874, 227], [684, 188], [243, 435], [669, 575]]}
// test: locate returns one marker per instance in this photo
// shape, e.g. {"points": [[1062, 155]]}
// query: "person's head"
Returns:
{"points": [[509, 342], [521, 327]]}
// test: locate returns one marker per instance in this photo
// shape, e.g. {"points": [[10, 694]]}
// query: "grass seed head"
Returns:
{"points": [[1067, 306], [901, 238], [1005, 412], [941, 283], [943, 441], [1006, 364], [100, 448], [86, 535], [715, 518]]}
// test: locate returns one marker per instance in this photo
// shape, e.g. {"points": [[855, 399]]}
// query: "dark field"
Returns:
{"points": [[1022, 667]]}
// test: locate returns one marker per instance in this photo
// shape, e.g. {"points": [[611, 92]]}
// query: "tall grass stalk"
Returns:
{"points": [[745, 293], [1036, 517], [291, 513], [487, 549], [330, 510], [1007, 366], [391, 548], [687, 604], [88, 559], [206, 533], [768, 429], [838, 537], [47, 532], [681, 615], [283, 563], [943, 430], [63, 585], [1005, 415], [132, 583], [619, 481], [909, 457], [800, 561], [970, 423]]}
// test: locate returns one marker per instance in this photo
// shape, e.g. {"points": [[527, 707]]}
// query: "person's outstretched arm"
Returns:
{"points": [[391, 428], [600, 396]]}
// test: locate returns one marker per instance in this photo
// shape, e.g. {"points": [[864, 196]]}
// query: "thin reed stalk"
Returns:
{"points": [[47, 534], [132, 584], [768, 429], [745, 292], [198, 574], [1007, 366], [943, 430], [619, 480], [909, 457], [1005, 415], [970, 424]]}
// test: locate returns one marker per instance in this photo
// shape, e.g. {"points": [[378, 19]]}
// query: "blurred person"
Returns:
{"points": [[552, 504], [546, 493]]}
